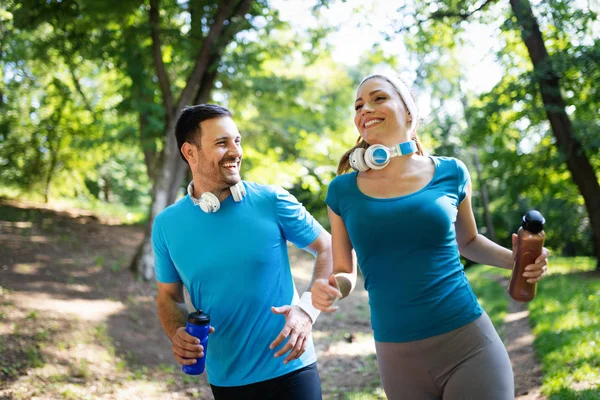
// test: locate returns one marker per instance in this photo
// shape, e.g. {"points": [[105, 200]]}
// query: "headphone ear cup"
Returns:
{"points": [[357, 160], [209, 203], [238, 191], [383, 155]]}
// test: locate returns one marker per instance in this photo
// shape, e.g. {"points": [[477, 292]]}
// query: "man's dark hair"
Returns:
{"points": [[188, 123]]}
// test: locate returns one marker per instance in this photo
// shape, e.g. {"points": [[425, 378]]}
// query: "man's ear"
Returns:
{"points": [[189, 152]]}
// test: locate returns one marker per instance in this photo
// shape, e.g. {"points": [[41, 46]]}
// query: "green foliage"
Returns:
{"points": [[524, 169], [107, 138], [73, 128], [293, 111], [507, 126], [82, 117], [566, 322]]}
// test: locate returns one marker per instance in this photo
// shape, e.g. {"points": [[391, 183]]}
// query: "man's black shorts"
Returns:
{"points": [[302, 384]]}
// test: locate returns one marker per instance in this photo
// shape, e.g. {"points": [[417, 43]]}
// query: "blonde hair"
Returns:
{"points": [[410, 102]]}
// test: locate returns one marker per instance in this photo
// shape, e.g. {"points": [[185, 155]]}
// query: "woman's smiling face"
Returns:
{"points": [[381, 116]]}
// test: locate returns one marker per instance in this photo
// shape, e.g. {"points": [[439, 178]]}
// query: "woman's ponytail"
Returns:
{"points": [[344, 164]]}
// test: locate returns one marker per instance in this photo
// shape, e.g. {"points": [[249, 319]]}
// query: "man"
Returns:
{"points": [[230, 253]]}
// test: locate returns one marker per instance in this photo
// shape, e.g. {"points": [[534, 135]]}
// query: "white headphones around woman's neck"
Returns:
{"points": [[378, 156], [209, 203]]}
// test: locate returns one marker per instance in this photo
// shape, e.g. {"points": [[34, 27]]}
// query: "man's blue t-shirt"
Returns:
{"points": [[408, 255], [234, 263]]}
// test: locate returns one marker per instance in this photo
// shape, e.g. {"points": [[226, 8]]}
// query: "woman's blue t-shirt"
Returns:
{"points": [[408, 255]]}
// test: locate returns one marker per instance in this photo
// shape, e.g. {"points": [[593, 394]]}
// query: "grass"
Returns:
{"points": [[375, 394], [566, 323], [491, 295], [565, 317], [124, 214], [13, 214], [568, 265], [127, 215]]}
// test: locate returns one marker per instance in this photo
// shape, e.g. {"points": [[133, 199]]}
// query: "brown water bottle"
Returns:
{"points": [[530, 241]]}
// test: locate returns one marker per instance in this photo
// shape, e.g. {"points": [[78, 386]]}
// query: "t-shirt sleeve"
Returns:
{"points": [[163, 264], [297, 225], [463, 180], [331, 198]]}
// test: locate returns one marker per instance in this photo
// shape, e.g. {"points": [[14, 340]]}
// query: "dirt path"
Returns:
{"points": [[518, 339]]}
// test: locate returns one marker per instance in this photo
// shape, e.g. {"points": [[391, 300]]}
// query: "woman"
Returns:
{"points": [[408, 216]]}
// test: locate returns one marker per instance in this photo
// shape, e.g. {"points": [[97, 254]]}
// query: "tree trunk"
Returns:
{"points": [[171, 169], [168, 176], [106, 188], [150, 154], [578, 164], [4, 33], [53, 150], [485, 202], [491, 232], [53, 147]]}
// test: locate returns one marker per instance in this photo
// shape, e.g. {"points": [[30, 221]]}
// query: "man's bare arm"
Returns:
{"points": [[321, 248], [172, 311]]}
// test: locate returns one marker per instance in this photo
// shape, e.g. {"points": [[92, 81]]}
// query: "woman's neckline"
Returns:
{"points": [[435, 166]]}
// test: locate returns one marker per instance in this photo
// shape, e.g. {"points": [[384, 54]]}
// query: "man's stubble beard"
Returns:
{"points": [[223, 180]]}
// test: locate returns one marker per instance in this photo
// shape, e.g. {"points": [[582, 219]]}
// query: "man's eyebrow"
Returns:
{"points": [[226, 137], [370, 94]]}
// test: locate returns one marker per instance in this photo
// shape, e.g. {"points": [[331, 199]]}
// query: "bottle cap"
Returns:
{"points": [[533, 221], [198, 318]]}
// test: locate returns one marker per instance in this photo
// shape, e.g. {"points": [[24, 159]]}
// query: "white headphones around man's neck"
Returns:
{"points": [[209, 203], [378, 156]]}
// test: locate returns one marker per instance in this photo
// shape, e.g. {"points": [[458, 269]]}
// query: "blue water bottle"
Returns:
{"points": [[197, 325]]}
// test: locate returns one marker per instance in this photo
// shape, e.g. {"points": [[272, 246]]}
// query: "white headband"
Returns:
{"points": [[404, 93]]}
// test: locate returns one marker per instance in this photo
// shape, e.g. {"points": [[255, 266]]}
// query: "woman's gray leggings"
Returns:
{"points": [[468, 363]]}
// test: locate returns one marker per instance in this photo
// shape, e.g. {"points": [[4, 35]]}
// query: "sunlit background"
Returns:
{"points": [[89, 91]]}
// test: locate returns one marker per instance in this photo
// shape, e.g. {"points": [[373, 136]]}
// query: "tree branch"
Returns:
{"points": [[204, 57], [207, 81], [86, 102], [462, 15], [159, 65], [3, 39], [150, 154]]}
